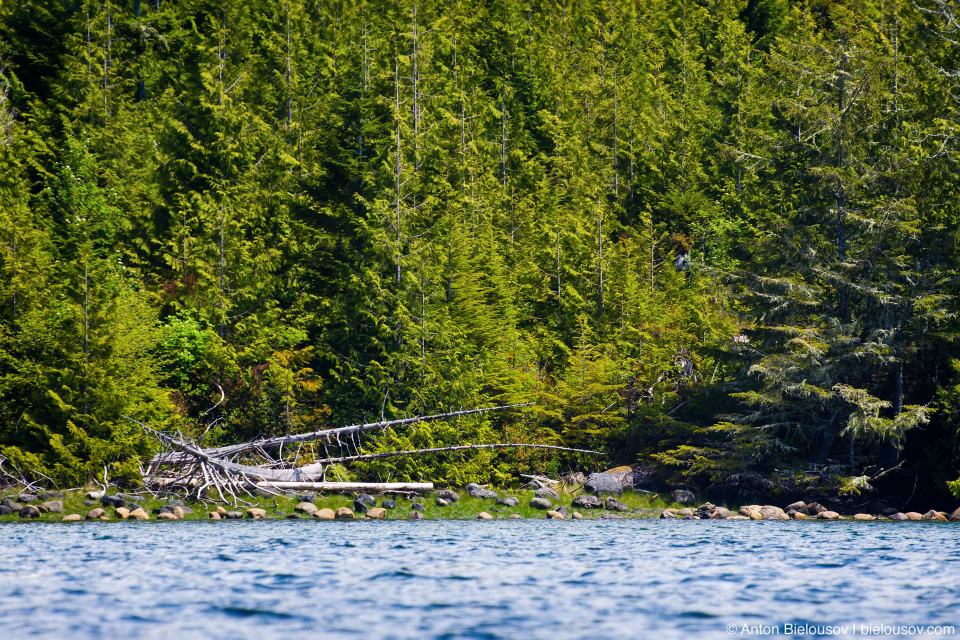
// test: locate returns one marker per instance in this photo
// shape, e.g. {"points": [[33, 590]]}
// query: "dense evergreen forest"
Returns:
{"points": [[715, 238]]}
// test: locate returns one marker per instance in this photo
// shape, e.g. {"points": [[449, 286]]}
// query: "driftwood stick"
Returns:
{"points": [[465, 447], [366, 487]]}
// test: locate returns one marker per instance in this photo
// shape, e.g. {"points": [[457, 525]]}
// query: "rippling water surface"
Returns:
{"points": [[524, 579]]}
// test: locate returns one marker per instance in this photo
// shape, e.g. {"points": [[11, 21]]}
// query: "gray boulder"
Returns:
{"points": [[389, 504], [955, 516], [449, 495], [309, 496], [815, 508], [587, 501], [683, 496], [708, 511], [50, 495], [417, 506], [479, 492], [359, 506], [547, 493], [443, 502], [27, 498], [561, 509], [509, 501], [29, 511], [898, 516], [52, 506], [612, 504], [541, 503], [799, 505], [112, 501], [5, 510], [365, 498], [601, 483]]}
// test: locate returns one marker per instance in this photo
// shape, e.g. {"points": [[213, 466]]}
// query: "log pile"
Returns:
{"points": [[227, 471]]}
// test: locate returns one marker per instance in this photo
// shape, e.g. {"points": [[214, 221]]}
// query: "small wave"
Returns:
{"points": [[247, 612]]}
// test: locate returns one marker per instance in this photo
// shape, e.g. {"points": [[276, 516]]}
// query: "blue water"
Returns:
{"points": [[525, 579]]}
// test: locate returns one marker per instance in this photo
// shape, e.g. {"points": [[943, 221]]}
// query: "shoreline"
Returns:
{"points": [[444, 504]]}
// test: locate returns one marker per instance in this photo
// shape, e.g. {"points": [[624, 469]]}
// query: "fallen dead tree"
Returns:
{"points": [[334, 435], [185, 465]]}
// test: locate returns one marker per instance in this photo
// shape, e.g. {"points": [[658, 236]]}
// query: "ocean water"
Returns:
{"points": [[523, 579]]}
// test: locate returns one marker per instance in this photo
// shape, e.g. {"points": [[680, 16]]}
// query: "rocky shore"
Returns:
{"points": [[599, 497], [800, 511]]}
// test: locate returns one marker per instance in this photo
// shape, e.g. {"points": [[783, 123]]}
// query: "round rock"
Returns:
{"points": [[449, 495], [29, 511], [541, 503], [547, 493], [509, 501]]}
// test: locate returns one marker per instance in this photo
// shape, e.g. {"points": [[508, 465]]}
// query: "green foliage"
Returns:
{"points": [[720, 238]]}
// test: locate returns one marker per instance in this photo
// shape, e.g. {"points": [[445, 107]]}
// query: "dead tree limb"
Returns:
{"points": [[464, 447]]}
